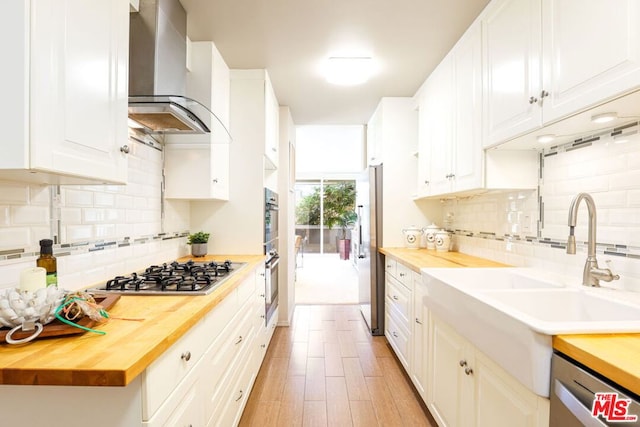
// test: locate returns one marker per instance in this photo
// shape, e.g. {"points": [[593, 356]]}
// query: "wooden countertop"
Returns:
{"points": [[423, 258], [615, 356], [116, 358]]}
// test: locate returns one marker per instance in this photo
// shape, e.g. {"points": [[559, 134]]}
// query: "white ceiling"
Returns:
{"points": [[291, 38]]}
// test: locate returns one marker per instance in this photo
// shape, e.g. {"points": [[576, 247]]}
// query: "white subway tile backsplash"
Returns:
{"points": [[71, 215], [104, 199], [77, 233], [74, 197], [609, 172], [14, 193], [29, 215], [39, 195], [5, 216], [15, 237]]}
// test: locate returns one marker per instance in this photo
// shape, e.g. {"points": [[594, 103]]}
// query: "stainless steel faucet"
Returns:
{"points": [[592, 273]]}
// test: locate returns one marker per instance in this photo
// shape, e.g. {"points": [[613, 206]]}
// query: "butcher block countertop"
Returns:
{"points": [[615, 356], [423, 258], [129, 346]]}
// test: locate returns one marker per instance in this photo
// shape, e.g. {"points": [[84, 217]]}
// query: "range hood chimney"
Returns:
{"points": [[157, 73]]}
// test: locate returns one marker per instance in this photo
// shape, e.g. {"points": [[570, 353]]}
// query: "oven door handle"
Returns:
{"points": [[272, 263], [573, 405]]}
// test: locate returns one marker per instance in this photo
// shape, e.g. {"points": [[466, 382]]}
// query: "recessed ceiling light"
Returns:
{"points": [[604, 117], [543, 139], [348, 71]]}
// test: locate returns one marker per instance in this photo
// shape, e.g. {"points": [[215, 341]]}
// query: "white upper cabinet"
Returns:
{"points": [[272, 120], [546, 60], [66, 79], [197, 166], [591, 53], [512, 77]]}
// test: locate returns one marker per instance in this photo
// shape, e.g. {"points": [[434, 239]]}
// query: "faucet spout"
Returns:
{"points": [[592, 274]]}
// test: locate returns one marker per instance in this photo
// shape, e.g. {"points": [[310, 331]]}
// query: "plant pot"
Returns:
{"points": [[198, 249], [344, 247]]}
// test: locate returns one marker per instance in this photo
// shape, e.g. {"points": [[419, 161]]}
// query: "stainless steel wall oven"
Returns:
{"points": [[271, 251]]}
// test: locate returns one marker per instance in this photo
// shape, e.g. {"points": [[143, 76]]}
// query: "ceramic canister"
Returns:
{"points": [[443, 241], [430, 233], [412, 236]]}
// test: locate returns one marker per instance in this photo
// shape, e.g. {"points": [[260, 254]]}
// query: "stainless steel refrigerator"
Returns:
{"points": [[370, 261]]}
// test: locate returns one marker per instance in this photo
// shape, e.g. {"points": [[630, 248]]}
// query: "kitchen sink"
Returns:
{"points": [[566, 311], [493, 278], [511, 314]]}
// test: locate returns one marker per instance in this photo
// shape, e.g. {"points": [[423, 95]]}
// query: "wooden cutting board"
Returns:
{"points": [[56, 328]]}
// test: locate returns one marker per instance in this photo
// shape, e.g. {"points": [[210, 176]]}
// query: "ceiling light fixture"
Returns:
{"points": [[348, 71], [543, 139], [604, 117]]}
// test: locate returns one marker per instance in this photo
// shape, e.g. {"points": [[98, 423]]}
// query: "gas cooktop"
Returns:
{"points": [[188, 278]]}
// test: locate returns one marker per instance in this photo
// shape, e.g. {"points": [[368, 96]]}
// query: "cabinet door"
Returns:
{"points": [[271, 124], [441, 132], [512, 45], [584, 67], [79, 80], [420, 337], [467, 90], [196, 171], [446, 382], [500, 401], [374, 138], [424, 126]]}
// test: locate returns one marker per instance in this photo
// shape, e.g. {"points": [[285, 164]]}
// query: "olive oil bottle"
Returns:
{"points": [[48, 261]]}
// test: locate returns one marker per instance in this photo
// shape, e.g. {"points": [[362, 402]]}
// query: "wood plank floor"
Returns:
{"points": [[327, 370]]}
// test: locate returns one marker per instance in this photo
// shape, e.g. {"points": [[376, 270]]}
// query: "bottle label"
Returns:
{"points": [[52, 279]]}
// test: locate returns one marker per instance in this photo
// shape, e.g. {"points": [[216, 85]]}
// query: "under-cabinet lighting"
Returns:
{"points": [[543, 139], [604, 117], [624, 137]]}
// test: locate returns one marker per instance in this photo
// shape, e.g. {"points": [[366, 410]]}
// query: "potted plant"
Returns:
{"points": [[198, 242], [345, 221]]}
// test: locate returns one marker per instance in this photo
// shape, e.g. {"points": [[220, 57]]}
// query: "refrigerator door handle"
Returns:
{"points": [[360, 251]]}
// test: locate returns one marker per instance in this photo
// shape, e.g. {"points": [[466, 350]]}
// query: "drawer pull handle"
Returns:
{"points": [[395, 297], [239, 340], [418, 321], [468, 371], [262, 316], [239, 396], [463, 363], [186, 356], [263, 345], [402, 274], [394, 334], [261, 295]]}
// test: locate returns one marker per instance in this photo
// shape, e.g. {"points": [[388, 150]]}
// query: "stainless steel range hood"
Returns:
{"points": [[157, 73]]}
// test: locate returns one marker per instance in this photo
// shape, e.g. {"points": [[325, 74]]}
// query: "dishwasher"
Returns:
{"points": [[581, 397]]}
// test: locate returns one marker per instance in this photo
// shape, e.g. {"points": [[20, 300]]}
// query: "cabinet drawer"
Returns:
{"points": [[399, 300], [164, 375], [390, 266], [220, 362], [398, 338], [182, 408], [246, 289], [404, 275], [233, 402]]}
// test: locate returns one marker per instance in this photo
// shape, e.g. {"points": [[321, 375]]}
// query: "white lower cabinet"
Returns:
{"points": [[203, 379], [399, 310], [418, 365], [465, 388]]}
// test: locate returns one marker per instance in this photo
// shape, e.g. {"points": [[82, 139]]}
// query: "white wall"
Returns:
{"points": [[105, 230], [327, 150], [286, 218], [609, 172]]}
